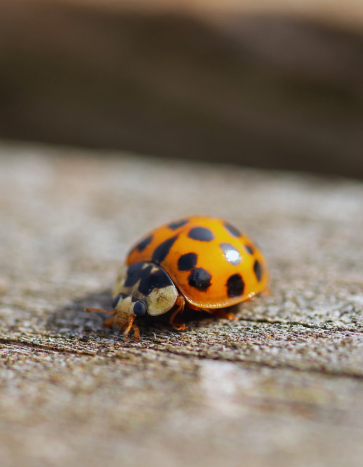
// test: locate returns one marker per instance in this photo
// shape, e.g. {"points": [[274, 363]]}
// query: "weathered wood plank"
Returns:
{"points": [[281, 387]]}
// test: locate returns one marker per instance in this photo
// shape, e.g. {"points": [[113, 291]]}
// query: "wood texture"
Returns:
{"points": [[280, 387]]}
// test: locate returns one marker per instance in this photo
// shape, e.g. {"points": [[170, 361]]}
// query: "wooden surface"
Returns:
{"points": [[281, 387]]}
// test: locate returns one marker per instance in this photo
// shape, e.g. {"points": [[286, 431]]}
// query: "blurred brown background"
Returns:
{"points": [[277, 86]]}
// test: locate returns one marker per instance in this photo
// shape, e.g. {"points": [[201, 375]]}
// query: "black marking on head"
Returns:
{"points": [[257, 269], [139, 308], [231, 253], [250, 249], [232, 230], [235, 286], [149, 275], [177, 224], [144, 243], [201, 233], [117, 299], [134, 273], [200, 278], [153, 280], [187, 262], [161, 252]]}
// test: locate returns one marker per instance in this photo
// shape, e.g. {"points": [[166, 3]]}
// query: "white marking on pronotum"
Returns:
{"points": [[158, 302]]}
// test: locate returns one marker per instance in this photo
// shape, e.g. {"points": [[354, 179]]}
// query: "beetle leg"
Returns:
{"points": [[216, 312], [128, 327], [136, 330], [180, 303], [109, 322], [98, 309], [224, 313]]}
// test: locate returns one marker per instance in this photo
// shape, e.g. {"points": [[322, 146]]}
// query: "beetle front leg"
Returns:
{"points": [[136, 330], [109, 322]]}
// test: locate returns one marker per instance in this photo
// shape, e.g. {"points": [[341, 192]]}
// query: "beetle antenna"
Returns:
{"points": [[99, 309]]}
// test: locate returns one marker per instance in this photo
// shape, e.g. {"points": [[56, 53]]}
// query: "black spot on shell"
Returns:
{"points": [[153, 280], [257, 269], [250, 249], [177, 224], [231, 253], [200, 278], [144, 243], [187, 262], [201, 233], [161, 252], [235, 286], [232, 230]]}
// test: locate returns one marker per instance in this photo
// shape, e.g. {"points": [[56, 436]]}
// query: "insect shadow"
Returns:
{"points": [[73, 320]]}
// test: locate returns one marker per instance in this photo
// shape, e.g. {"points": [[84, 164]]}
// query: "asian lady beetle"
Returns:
{"points": [[202, 261]]}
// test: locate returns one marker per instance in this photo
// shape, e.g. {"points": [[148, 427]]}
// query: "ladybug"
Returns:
{"points": [[202, 262]]}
